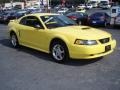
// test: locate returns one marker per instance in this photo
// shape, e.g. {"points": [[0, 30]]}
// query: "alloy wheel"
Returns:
{"points": [[14, 40], [58, 52]]}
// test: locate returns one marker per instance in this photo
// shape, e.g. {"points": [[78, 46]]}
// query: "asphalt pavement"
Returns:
{"points": [[28, 69]]}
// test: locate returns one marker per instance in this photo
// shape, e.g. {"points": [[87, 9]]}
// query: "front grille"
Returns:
{"points": [[105, 40]]}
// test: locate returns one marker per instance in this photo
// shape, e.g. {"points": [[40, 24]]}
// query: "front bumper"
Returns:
{"points": [[92, 51]]}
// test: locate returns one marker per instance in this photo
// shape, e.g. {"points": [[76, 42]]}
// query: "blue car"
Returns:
{"points": [[99, 19]]}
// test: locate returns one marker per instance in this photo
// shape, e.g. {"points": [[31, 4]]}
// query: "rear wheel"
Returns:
{"points": [[59, 52], [14, 40]]}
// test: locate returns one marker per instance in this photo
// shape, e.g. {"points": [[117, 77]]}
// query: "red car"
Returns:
{"points": [[78, 17]]}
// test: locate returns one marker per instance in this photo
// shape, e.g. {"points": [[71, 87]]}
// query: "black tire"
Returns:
{"points": [[59, 52], [14, 40]]}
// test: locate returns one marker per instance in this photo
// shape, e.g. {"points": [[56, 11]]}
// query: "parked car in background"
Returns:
{"points": [[105, 6], [94, 3], [57, 7], [63, 10], [19, 14], [104, 1], [117, 20], [89, 6], [78, 17], [32, 8], [36, 11], [81, 6], [7, 16], [99, 19]]}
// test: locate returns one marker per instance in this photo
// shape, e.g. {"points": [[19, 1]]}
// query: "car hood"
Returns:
{"points": [[82, 32]]}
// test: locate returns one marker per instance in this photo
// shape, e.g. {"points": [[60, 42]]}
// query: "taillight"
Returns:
{"points": [[73, 17]]}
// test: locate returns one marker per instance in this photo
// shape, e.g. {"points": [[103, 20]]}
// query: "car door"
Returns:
{"points": [[33, 33]]}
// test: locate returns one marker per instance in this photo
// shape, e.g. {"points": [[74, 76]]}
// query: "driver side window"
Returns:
{"points": [[31, 21]]}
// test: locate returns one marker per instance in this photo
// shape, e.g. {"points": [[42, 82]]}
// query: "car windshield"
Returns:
{"points": [[55, 21]]}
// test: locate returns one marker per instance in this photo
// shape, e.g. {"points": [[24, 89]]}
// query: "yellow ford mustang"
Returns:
{"points": [[60, 36]]}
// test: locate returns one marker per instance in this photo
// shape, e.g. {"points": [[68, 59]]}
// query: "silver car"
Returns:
{"points": [[105, 6]]}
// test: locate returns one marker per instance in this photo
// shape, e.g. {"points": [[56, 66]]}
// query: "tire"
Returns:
{"points": [[14, 40], [59, 52]]}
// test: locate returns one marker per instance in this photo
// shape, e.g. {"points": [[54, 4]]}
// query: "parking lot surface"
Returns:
{"points": [[28, 69]]}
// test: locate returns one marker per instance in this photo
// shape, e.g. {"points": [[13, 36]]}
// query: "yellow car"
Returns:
{"points": [[60, 36]]}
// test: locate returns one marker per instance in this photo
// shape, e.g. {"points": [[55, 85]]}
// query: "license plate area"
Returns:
{"points": [[107, 48]]}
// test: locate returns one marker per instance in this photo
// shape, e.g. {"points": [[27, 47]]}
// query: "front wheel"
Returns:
{"points": [[14, 40], [59, 52]]}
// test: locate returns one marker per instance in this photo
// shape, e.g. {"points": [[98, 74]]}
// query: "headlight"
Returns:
{"points": [[85, 42]]}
